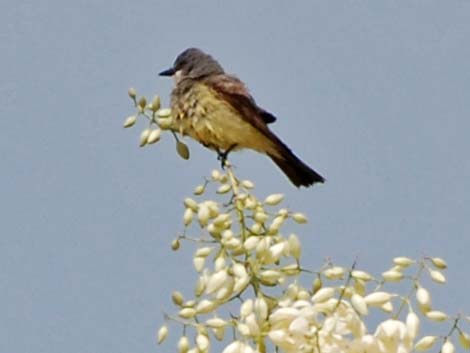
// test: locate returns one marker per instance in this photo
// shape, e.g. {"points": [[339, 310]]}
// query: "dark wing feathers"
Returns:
{"points": [[235, 92]]}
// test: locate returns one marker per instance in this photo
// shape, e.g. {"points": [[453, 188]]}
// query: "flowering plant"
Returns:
{"points": [[249, 279]]}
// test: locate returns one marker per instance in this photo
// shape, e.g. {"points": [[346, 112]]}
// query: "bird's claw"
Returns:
{"points": [[222, 156]]}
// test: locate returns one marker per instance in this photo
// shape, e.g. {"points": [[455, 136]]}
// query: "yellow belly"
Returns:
{"points": [[201, 114]]}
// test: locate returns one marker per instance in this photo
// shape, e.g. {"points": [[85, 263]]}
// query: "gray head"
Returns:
{"points": [[193, 63]]}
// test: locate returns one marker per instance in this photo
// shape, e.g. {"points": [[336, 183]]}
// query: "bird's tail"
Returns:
{"points": [[297, 171]]}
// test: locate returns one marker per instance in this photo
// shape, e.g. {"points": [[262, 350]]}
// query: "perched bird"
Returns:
{"points": [[217, 110]]}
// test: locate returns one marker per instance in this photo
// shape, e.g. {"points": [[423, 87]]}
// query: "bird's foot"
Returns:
{"points": [[222, 156]]}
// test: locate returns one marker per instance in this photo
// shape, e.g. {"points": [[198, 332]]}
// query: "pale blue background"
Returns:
{"points": [[373, 94]]}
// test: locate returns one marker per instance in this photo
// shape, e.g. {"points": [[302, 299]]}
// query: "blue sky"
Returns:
{"points": [[374, 95]]}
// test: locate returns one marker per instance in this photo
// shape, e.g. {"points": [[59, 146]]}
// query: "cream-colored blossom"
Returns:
{"points": [[359, 304], [216, 281], [436, 315], [377, 298], [183, 344], [437, 276], [424, 299], [162, 334], [323, 294], [274, 199], [412, 325], [425, 343]]}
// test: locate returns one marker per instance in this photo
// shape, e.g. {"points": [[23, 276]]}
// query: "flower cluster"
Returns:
{"points": [[250, 274]]}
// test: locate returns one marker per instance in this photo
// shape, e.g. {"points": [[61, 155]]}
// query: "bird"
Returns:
{"points": [[217, 110]]}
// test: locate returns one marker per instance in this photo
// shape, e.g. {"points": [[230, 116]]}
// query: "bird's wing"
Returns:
{"points": [[235, 92]]}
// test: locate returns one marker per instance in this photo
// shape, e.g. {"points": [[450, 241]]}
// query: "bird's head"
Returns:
{"points": [[193, 63]]}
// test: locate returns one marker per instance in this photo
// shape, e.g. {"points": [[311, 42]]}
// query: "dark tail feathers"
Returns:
{"points": [[297, 171]]}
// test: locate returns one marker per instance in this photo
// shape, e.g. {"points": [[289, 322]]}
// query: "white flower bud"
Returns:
{"points": [[295, 247], [188, 216], [154, 136], [182, 150], [190, 203], [279, 337], [187, 313], [260, 217], [303, 295], [130, 121], [239, 270], [216, 322], [377, 298], [203, 215], [316, 285], [323, 294], [277, 250], [165, 123], [162, 334], [175, 244], [213, 209], [260, 309], [155, 103], [132, 92], [164, 113], [334, 272], [448, 347], [144, 135], [299, 326], [359, 304], [233, 243], [291, 269], [246, 308], [251, 243], [238, 347], [250, 202], [403, 261], [256, 228], [439, 263], [142, 102], [424, 299], [412, 325], [221, 219], [270, 277], [199, 263], [247, 184], [224, 188], [252, 324], [216, 281], [241, 283], [392, 276], [190, 303], [203, 252], [437, 276], [215, 175], [299, 218], [275, 225], [391, 330], [200, 287], [436, 315], [464, 340], [363, 276], [274, 199], [199, 190], [243, 329], [425, 343], [183, 344], [202, 342], [387, 307], [177, 298], [205, 306]]}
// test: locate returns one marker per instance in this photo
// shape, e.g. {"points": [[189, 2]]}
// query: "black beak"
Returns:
{"points": [[169, 72]]}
